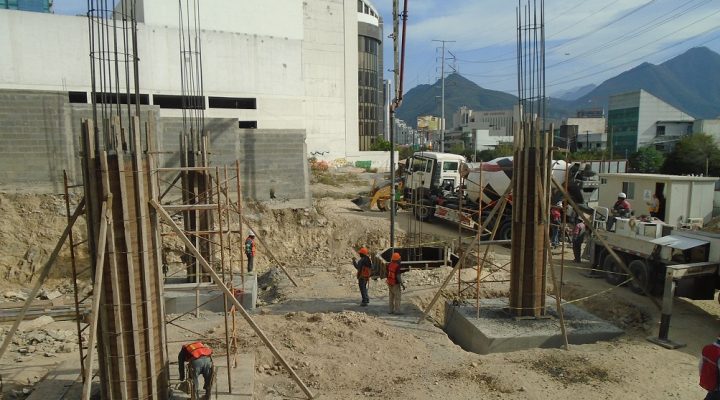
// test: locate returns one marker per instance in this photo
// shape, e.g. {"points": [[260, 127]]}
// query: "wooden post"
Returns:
{"points": [[97, 290]]}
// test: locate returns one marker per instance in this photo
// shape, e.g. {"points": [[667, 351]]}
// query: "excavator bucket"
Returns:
{"points": [[363, 202]]}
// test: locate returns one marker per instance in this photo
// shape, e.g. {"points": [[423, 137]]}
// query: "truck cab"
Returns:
{"points": [[431, 170]]}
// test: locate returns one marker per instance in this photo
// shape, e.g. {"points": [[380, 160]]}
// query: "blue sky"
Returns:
{"points": [[588, 41]]}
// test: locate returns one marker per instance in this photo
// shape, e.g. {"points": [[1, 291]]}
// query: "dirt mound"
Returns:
{"points": [[30, 227], [572, 369]]}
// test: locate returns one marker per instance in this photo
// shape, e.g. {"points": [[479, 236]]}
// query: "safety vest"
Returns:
{"points": [[250, 246], [365, 268], [392, 273], [709, 367], [197, 350]]}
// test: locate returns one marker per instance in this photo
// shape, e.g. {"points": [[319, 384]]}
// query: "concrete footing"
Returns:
{"points": [[182, 298], [496, 331]]}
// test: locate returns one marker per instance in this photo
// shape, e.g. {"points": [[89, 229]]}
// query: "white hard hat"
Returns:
{"points": [[251, 233], [622, 195]]}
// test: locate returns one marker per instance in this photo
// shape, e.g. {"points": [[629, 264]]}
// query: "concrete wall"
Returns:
{"points": [[35, 144], [39, 138], [652, 109]]}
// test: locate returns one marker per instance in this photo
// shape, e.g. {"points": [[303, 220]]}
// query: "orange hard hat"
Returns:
{"points": [[363, 251], [396, 257]]}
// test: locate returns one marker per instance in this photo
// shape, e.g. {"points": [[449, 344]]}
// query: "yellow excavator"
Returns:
{"points": [[379, 197]]}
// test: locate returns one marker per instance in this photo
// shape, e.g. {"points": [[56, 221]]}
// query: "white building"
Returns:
{"points": [[282, 64], [637, 119]]}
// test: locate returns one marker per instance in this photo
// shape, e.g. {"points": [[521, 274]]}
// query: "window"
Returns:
{"points": [[78, 97], [450, 166], [360, 6], [232, 102], [418, 164], [247, 124], [603, 181], [660, 130], [171, 101], [119, 98], [629, 189]]}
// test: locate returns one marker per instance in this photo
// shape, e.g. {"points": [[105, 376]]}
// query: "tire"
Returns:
{"points": [[424, 211], [505, 231], [641, 270], [382, 205], [614, 274]]}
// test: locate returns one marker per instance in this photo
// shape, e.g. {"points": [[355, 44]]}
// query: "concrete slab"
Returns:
{"points": [[497, 332], [62, 382], [181, 298]]}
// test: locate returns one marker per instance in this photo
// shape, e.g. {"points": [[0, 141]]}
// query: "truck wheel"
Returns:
{"points": [[614, 274], [425, 210], [640, 269], [505, 231]]}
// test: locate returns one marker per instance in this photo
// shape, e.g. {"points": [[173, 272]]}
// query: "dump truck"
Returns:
{"points": [[432, 188]]}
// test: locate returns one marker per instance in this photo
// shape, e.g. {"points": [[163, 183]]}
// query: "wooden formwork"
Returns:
{"points": [[531, 165], [131, 348]]}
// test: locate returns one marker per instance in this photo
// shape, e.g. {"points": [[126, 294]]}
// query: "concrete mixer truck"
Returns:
{"points": [[432, 188]]}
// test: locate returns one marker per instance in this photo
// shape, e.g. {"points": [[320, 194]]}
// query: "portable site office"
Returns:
{"points": [[683, 198]]}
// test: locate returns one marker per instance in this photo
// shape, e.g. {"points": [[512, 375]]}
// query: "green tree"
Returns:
{"points": [[381, 145], [646, 160], [457, 148], [692, 154]]}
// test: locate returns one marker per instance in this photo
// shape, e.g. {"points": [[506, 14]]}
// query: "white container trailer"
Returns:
{"points": [[684, 199]]}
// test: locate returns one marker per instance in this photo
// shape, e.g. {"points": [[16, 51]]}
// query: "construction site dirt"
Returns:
{"points": [[344, 351]]}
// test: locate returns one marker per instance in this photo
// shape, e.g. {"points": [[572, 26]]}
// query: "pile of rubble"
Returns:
{"points": [[36, 338]]}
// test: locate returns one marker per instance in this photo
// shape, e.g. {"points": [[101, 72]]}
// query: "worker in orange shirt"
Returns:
{"points": [[395, 283], [364, 270], [199, 358]]}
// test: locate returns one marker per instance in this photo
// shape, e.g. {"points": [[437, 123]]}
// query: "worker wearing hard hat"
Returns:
{"points": [[364, 270], [395, 283], [621, 209], [250, 250]]}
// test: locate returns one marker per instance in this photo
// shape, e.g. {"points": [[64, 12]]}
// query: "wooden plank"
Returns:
{"points": [[145, 266], [190, 207], [157, 245], [209, 270], [97, 289], [130, 268], [41, 278], [117, 311]]}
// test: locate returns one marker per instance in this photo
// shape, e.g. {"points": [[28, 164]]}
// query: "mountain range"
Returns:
{"points": [[689, 82]]}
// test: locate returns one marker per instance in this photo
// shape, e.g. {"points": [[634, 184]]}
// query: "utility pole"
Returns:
{"points": [[441, 125]]}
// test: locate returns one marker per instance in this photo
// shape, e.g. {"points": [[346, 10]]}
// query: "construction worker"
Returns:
{"points": [[555, 221], [709, 370], [199, 359], [250, 249], [621, 209], [364, 270], [395, 283], [578, 238]]}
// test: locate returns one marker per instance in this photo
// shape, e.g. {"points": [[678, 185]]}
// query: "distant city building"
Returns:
{"points": [[638, 119], [26, 5], [498, 122], [708, 126], [591, 141], [591, 113], [575, 133]]}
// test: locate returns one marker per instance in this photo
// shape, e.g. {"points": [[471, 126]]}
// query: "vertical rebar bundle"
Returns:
{"points": [[531, 166], [193, 138], [130, 331]]}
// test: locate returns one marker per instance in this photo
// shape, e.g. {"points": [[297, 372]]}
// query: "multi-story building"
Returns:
{"points": [[288, 64], [26, 5], [637, 119]]}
